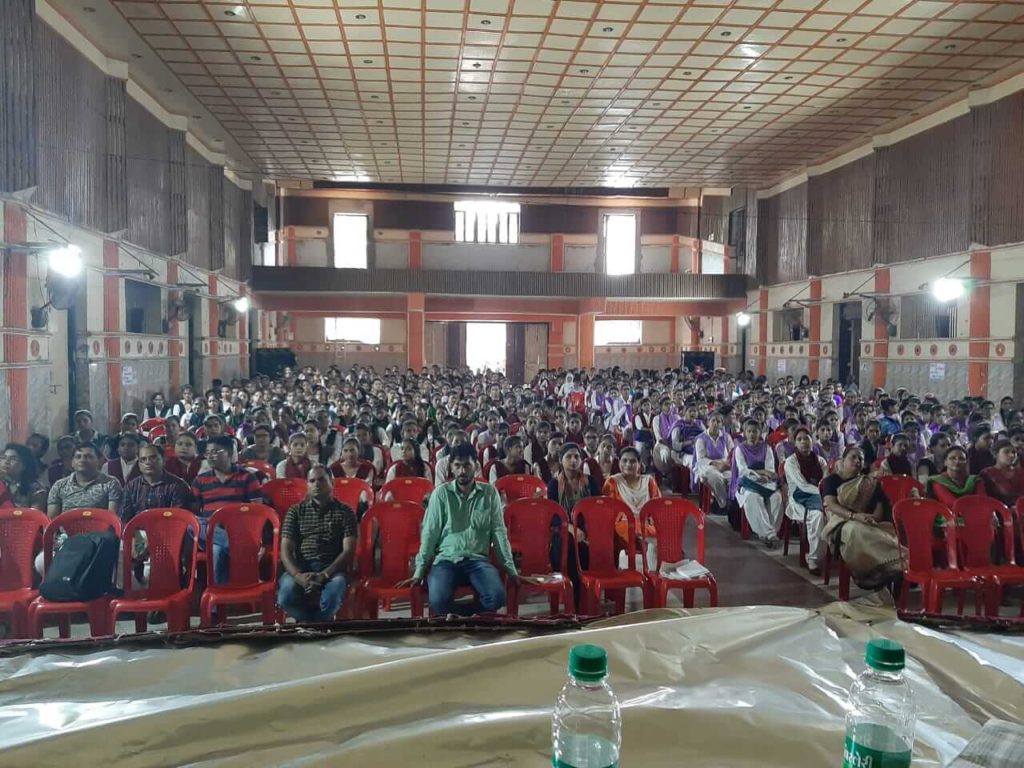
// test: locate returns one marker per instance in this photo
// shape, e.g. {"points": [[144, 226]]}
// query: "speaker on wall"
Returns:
{"points": [[260, 223]]}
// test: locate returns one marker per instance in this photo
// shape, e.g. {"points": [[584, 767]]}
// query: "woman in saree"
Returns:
{"points": [[955, 481], [567, 487], [1005, 480], [859, 527]]}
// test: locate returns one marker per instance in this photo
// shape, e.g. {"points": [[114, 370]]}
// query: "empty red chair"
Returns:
{"points": [[983, 526], [147, 426], [265, 468], [396, 525], [597, 515], [514, 487], [669, 516], [414, 489], [73, 522], [529, 531], [284, 493], [253, 574], [21, 537], [351, 491], [166, 529], [915, 519], [899, 487]]}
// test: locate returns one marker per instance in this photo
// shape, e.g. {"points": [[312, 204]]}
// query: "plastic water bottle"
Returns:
{"points": [[880, 720], [586, 728]]}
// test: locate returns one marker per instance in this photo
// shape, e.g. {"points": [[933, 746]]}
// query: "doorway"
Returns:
{"points": [[485, 346], [847, 322]]}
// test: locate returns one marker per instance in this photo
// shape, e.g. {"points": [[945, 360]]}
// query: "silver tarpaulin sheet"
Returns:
{"points": [[758, 686]]}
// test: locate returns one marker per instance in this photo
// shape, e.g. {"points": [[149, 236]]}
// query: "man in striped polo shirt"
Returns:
{"points": [[224, 483]]}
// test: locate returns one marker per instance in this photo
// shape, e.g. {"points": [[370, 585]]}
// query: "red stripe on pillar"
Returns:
{"points": [[558, 253], [292, 246], [416, 330], [585, 335], [674, 267], [415, 250], [980, 324], [696, 257], [556, 343], [15, 272]]}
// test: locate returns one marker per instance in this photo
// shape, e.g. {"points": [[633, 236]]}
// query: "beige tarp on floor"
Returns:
{"points": [[759, 686]]}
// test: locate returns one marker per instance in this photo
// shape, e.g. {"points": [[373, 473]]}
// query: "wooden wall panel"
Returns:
{"points": [[997, 152], [177, 192], [658, 221], [215, 222], [149, 184], [791, 228], [71, 107], [923, 194], [754, 247], [564, 219], [306, 211], [18, 168], [714, 218], [839, 212], [404, 214], [116, 182], [237, 231], [197, 194]]}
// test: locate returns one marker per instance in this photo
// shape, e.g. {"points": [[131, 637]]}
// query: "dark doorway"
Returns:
{"points": [[847, 322], [704, 360], [193, 352]]}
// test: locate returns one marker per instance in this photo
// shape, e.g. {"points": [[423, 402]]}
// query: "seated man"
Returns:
{"points": [[318, 545], [463, 519]]}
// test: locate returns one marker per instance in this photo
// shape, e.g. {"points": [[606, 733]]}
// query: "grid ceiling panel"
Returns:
{"points": [[565, 92]]}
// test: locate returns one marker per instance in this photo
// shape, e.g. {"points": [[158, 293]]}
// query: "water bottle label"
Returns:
{"points": [[860, 756], [562, 764]]}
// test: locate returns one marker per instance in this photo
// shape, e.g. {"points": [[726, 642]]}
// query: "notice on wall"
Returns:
{"points": [[936, 371], [782, 365], [128, 376]]}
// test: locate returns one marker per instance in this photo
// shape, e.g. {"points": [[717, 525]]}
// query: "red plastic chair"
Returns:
{"points": [[899, 487], [485, 470], [166, 529], [73, 522], [414, 489], [245, 525], [598, 515], [263, 467], [514, 487], [351, 491], [983, 525], [21, 536], [147, 426], [826, 567], [529, 531], [158, 431], [915, 520], [284, 493], [396, 525], [669, 516]]}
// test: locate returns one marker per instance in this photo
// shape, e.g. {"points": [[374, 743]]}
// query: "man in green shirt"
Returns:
{"points": [[463, 519]]}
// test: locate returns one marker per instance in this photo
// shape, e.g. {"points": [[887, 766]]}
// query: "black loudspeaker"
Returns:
{"points": [[260, 224]]}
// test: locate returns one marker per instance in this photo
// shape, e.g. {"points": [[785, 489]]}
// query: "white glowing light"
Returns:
{"points": [[742, 319], [948, 289], [66, 261]]}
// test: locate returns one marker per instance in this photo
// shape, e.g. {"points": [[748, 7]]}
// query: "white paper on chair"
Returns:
{"points": [[684, 569]]}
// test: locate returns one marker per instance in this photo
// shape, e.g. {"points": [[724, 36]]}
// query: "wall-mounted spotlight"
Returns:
{"points": [[241, 304], [742, 319], [947, 289], [66, 261]]}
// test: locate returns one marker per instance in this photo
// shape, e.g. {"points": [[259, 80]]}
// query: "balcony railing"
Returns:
{"points": [[504, 283]]}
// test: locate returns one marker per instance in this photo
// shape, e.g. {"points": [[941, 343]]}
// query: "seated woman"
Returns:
{"points": [[1004, 481], [550, 464], [351, 465], [410, 465], [935, 460], [803, 471], [712, 452], [979, 454], [755, 484], [513, 463], [635, 490], [858, 526], [604, 465], [956, 481], [826, 443], [567, 487], [897, 462], [19, 479]]}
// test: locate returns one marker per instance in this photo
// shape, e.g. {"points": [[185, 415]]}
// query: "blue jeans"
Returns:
{"points": [[445, 577], [296, 601], [807, 500], [220, 559]]}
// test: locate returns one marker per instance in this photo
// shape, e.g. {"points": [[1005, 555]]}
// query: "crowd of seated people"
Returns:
{"points": [[758, 451]]}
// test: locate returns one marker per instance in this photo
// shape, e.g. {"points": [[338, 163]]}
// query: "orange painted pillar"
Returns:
{"points": [[697, 257], [980, 324], [674, 268], [112, 315], [415, 330], [729, 261], [881, 346], [762, 332], [558, 253], [556, 343], [291, 248], [415, 250], [14, 266], [814, 330], [585, 341]]}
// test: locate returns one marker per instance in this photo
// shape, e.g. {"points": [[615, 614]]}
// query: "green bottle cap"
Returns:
{"points": [[588, 662], [885, 655]]}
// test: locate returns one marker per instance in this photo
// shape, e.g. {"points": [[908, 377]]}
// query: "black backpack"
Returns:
{"points": [[83, 569]]}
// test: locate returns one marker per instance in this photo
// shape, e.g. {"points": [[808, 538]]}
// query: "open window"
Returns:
{"points": [[619, 235], [357, 330], [486, 221], [350, 240]]}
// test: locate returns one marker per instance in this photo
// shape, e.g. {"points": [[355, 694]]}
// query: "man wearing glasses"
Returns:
{"points": [[224, 483]]}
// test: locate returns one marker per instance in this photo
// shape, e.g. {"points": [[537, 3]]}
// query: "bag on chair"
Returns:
{"points": [[83, 569]]}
